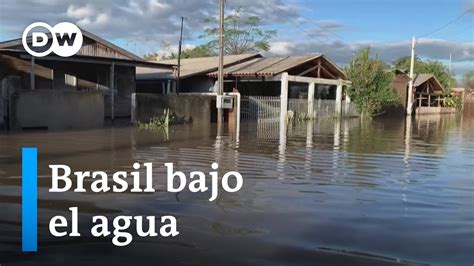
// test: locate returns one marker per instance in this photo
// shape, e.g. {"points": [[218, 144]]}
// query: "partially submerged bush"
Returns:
{"points": [[371, 88], [294, 116], [453, 101], [160, 121]]}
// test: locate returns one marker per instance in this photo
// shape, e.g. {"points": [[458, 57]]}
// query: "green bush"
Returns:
{"points": [[160, 121], [371, 88], [453, 101]]}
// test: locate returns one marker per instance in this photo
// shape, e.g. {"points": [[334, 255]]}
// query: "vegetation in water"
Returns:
{"points": [[294, 116], [453, 101], [371, 88], [158, 122]]}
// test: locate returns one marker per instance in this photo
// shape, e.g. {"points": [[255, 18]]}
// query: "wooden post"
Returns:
{"points": [[283, 100], [112, 91], [311, 100], [429, 100], [338, 110], [32, 73]]}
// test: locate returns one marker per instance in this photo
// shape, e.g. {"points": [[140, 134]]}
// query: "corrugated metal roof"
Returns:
{"points": [[145, 73], [267, 66], [420, 79], [86, 50], [192, 66]]}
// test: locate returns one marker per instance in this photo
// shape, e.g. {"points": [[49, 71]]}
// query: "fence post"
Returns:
{"points": [[284, 98], [310, 100]]}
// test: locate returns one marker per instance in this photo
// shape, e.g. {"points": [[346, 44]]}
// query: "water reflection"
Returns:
{"points": [[324, 192]]}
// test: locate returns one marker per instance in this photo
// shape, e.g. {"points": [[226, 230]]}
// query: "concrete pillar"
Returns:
{"points": [[338, 110], [283, 120], [112, 91], [133, 114], [284, 100], [32, 73], [58, 79], [311, 100], [347, 103]]}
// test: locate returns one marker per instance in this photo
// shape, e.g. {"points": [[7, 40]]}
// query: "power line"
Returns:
{"points": [[449, 23], [297, 26], [319, 26]]}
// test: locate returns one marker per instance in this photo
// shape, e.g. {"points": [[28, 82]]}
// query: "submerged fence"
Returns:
{"points": [[267, 108], [260, 108]]}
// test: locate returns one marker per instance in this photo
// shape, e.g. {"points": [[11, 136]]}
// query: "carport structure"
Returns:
{"points": [[309, 69]]}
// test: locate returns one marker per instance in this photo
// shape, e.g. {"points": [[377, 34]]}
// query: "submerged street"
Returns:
{"points": [[381, 192]]}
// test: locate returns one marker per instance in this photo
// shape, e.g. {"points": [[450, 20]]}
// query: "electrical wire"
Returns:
{"points": [[447, 24]]}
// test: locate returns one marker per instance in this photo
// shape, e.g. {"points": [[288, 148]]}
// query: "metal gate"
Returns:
{"points": [[260, 108]]}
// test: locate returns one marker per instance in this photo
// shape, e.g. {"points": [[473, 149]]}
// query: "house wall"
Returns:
{"points": [[53, 109], [191, 108], [124, 82], [400, 85], [125, 86]]}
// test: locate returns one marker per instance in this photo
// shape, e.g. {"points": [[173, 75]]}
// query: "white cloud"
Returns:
{"points": [[340, 52], [80, 12], [143, 24]]}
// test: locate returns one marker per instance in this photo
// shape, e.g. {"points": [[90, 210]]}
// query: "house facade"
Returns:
{"points": [[81, 91]]}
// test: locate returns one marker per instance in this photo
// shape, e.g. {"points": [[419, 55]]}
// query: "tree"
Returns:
{"points": [[468, 80], [442, 73], [371, 88], [242, 34], [198, 51], [438, 69]]}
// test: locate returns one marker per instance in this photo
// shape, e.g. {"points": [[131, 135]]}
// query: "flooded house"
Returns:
{"points": [[250, 74], [81, 91], [428, 94], [428, 90], [307, 84]]}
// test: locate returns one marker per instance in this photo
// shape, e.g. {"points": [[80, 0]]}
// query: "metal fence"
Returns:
{"points": [[322, 108], [267, 108], [349, 110], [260, 108]]}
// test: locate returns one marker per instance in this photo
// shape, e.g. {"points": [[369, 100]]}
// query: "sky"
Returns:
{"points": [[337, 28]]}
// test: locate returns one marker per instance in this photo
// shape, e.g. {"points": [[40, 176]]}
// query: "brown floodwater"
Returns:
{"points": [[384, 192]]}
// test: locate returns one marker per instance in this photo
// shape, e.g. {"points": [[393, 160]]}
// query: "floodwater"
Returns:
{"points": [[384, 192]]}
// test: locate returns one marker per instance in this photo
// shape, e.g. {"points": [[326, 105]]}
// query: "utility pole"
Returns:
{"points": [[410, 86], [179, 58], [220, 89]]}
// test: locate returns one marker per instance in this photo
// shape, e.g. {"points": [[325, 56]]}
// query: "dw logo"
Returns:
{"points": [[65, 41]]}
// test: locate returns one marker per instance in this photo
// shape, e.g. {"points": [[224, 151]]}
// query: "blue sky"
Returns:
{"points": [[389, 20], [337, 28]]}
